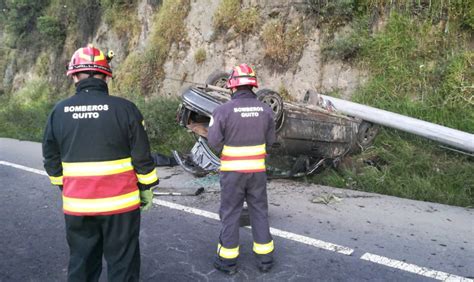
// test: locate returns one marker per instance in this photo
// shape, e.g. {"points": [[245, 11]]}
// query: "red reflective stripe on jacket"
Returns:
{"points": [[97, 187], [100, 187]]}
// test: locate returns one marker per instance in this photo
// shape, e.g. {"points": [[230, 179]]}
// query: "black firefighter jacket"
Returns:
{"points": [[95, 145]]}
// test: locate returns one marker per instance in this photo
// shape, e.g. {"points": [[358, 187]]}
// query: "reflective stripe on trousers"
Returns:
{"points": [[235, 187], [227, 253], [263, 249]]}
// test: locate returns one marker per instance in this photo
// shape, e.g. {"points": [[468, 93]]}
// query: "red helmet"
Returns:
{"points": [[242, 75], [90, 59]]}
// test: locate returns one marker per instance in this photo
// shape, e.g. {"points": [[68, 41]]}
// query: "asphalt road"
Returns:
{"points": [[355, 237]]}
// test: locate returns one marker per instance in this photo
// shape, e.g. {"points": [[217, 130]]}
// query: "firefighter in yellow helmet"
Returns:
{"points": [[96, 150], [242, 129]]}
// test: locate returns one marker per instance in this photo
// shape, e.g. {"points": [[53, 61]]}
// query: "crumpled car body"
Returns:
{"points": [[309, 137]]}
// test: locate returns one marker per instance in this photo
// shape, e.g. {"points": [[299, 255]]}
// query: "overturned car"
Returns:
{"points": [[309, 137]]}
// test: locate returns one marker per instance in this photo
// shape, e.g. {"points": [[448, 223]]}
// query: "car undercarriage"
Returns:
{"points": [[309, 137]]}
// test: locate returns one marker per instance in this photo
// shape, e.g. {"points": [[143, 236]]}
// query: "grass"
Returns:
{"points": [[331, 13], [163, 131], [4, 58], [230, 14], [121, 16], [283, 42], [408, 167], [419, 70], [225, 14], [200, 56], [51, 29], [415, 77], [23, 115], [349, 46], [284, 93], [247, 21], [141, 72]]}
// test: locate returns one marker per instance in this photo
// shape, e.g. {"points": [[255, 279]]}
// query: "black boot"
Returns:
{"points": [[228, 266], [264, 262]]}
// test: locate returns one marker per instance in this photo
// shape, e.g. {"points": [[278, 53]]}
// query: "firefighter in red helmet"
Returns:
{"points": [[96, 150], [241, 130]]}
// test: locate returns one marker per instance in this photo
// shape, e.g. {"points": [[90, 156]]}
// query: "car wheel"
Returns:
{"points": [[366, 134], [218, 78], [272, 99]]}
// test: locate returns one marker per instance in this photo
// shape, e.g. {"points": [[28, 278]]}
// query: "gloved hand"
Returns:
{"points": [[146, 199]]}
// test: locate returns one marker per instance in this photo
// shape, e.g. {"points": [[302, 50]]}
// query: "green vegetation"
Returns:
{"points": [[200, 56], [247, 21], [421, 68], [226, 13], [417, 77], [457, 12], [141, 73], [164, 133], [283, 43], [230, 14], [284, 93], [408, 167], [121, 16], [347, 47], [20, 18], [3, 66], [52, 30], [23, 115], [332, 13]]}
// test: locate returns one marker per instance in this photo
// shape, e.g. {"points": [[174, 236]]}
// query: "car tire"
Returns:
{"points": [[272, 99], [218, 78]]}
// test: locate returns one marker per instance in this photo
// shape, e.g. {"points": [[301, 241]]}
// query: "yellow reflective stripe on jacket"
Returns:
{"points": [[147, 178], [237, 165], [227, 253], [97, 168], [101, 205], [56, 180], [243, 151], [263, 249]]}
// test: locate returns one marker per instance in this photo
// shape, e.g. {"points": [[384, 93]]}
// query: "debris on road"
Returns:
{"points": [[199, 191], [326, 199]]}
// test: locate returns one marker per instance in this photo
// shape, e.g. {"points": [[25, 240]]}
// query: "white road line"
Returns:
{"points": [[408, 267], [34, 170], [276, 232], [312, 242], [439, 275], [195, 211]]}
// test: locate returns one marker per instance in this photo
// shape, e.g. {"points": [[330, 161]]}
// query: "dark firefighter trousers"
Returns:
{"points": [[114, 236], [235, 187]]}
